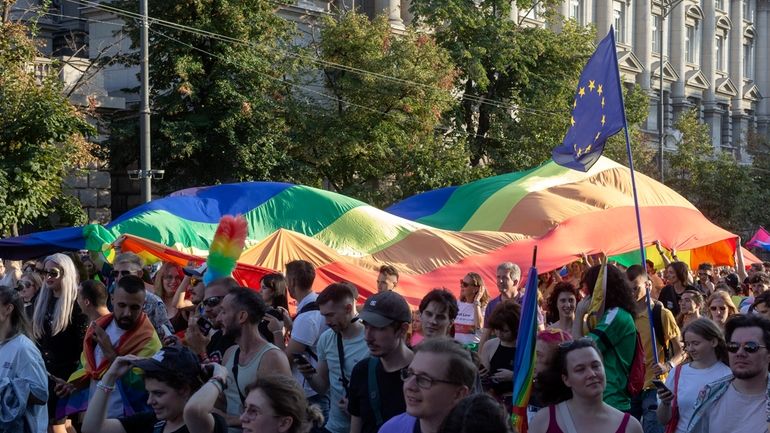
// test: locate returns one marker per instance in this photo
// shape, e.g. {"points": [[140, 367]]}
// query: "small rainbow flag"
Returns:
{"points": [[524, 360]]}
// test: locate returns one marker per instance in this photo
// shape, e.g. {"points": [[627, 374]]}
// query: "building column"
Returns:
{"points": [[643, 40], [603, 18], [676, 28], [514, 11], [406, 15], [738, 115], [762, 68], [711, 115]]}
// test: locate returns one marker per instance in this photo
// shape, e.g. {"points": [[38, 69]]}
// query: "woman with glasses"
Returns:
{"points": [[28, 287], [574, 393], [165, 284], [561, 306], [719, 307], [277, 404], [690, 307], [59, 326], [705, 344], [470, 310], [23, 381]]}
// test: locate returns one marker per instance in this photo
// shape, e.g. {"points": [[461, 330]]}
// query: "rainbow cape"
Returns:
{"points": [[433, 238]]}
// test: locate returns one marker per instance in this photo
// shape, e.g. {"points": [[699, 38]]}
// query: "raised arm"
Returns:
{"points": [[95, 420], [198, 411]]}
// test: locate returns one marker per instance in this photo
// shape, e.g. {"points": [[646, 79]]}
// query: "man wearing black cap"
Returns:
{"points": [[376, 393]]}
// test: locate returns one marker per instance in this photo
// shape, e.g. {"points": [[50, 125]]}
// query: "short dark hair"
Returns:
{"points": [[389, 270], [461, 367], [680, 270], [338, 292], [759, 277], [131, 284], [762, 298], [748, 321], [650, 263], [476, 413], [705, 267], [176, 380], [302, 272], [229, 283], [634, 271], [249, 301], [506, 313], [95, 292], [443, 297]]}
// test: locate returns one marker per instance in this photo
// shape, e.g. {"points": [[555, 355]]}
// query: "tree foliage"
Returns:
{"points": [[378, 138], [217, 105], [42, 136]]}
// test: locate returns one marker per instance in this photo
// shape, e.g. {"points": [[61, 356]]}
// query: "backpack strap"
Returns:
{"points": [[235, 374], [341, 353], [310, 306], [677, 372], [374, 390], [657, 324], [608, 343]]}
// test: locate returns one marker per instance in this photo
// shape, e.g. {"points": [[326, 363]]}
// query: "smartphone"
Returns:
{"points": [[300, 359], [660, 385], [204, 325]]}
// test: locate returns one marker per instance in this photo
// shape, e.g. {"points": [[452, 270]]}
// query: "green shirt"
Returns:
{"points": [[619, 328]]}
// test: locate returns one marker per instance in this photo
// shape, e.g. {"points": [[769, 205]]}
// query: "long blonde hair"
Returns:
{"points": [[62, 314], [725, 297]]}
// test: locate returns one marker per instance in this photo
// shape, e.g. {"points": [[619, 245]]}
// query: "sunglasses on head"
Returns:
{"points": [[115, 274], [213, 301], [53, 273], [749, 347]]}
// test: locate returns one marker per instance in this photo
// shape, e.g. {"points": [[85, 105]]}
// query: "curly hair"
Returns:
{"points": [[552, 307], [619, 293]]}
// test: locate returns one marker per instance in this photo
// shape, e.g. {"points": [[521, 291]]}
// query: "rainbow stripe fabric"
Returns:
{"points": [[434, 238]]}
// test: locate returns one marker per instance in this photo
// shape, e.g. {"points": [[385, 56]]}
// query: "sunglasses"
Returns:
{"points": [[749, 347], [423, 380], [53, 273], [23, 285], [213, 301], [115, 274], [464, 284], [715, 308]]}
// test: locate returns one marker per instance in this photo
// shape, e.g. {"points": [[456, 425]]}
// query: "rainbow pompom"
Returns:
{"points": [[226, 248]]}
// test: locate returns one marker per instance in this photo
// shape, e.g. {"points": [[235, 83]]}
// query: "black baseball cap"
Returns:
{"points": [[195, 271], [171, 359], [384, 308]]}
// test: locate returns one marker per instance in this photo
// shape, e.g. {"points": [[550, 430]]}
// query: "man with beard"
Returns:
{"points": [[125, 331], [375, 384], [738, 403], [252, 356], [204, 335]]}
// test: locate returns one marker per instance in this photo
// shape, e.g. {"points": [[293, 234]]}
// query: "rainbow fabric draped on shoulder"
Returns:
{"points": [[433, 239]]}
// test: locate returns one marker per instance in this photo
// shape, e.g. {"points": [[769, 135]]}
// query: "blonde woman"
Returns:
{"points": [[59, 326], [167, 281], [719, 307], [470, 315]]}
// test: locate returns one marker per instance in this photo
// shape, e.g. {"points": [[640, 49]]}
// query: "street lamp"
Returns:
{"points": [[665, 8]]}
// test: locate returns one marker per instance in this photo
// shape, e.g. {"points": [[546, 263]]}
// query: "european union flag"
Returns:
{"points": [[597, 111]]}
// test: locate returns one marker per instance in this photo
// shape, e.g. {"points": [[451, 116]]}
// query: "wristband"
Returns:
{"points": [[106, 388], [219, 382]]}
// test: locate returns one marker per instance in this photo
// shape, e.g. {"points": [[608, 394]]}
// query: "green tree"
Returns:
{"points": [[378, 138], [217, 105], [531, 71], [42, 136]]}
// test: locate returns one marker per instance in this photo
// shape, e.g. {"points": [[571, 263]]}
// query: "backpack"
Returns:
{"points": [[636, 372]]}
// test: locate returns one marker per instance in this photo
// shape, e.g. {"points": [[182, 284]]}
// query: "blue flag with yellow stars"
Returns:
{"points": [[597, 111]]}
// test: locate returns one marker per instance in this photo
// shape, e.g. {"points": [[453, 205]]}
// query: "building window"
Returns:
{"points": [[748, 60], [689, 44], [656, 33], [720, 4], [576, 10], [620, 21], [720, 53], [747, 10]]}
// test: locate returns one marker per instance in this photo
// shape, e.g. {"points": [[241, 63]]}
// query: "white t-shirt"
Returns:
{"points": [[739, 413], [465, 323], [114, 332], [115, 407], [691, 381], [20, 360], [307, 327]]}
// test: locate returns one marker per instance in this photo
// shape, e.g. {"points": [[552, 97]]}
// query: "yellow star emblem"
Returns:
{"points": [[604, 119], [591, 85], [587, 149], [572, 120], [602, 101], [574, 103], [582, 92], [599, 90], [597, 136]]}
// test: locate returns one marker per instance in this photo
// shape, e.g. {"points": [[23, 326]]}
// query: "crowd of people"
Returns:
{"points": [[87, 346]]}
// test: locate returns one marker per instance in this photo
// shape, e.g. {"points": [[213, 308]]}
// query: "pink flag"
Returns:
{"points": [[761, 239]]}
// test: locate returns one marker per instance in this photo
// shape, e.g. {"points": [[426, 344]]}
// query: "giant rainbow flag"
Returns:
{"points": [[433, 238]]}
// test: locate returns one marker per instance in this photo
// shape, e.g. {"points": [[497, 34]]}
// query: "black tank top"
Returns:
{"points": [[502, 358]]}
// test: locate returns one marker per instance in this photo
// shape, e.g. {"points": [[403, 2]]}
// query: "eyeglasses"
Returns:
{"points": [[53, 273], [213, 301], [749, 347], [423, 380], [715, 308], [123, 273]]}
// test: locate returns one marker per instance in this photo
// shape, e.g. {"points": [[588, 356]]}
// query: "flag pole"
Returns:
{"points": [[636, 203]]}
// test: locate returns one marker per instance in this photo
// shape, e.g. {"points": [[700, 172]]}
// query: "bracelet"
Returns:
{"points": [[105, 388]]}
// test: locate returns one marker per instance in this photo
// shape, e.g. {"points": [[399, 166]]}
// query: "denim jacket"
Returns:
{"points": [[709, 395]]}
